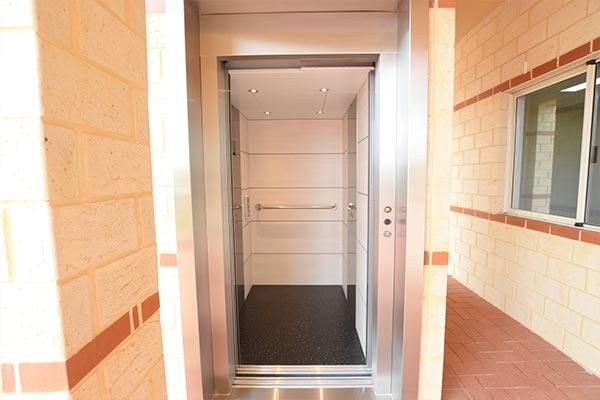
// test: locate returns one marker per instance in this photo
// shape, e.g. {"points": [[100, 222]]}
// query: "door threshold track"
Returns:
{"points": [[303, 382], [304, 370]]}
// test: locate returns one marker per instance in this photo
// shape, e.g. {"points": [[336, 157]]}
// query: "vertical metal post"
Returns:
{"points": [[411, 168]]}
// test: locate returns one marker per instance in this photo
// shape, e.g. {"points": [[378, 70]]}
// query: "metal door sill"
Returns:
{"points": [[303, 382], [304, 370]]}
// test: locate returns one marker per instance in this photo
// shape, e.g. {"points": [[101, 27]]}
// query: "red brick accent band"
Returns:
{"points": [[442, 4], [82, 362], [56, 376], [7, 373], [435, 258], [150, 306], [574, 54], [549, 66], [168, 260], [596, 44], [135, 316], [568, 232]]}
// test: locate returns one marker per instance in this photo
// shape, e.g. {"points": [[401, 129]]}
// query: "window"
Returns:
{"points": [[556, 165]]}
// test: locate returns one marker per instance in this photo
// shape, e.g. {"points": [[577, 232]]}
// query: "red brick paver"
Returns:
{"points": [[490, 356]]}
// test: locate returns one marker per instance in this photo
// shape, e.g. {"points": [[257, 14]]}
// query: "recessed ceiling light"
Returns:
{"points": [[253, 91], [267, 112], [324, 89], [320, 112]]}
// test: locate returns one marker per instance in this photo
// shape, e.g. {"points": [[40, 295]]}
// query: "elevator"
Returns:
{"points": [[308, 220], [299, 174]]}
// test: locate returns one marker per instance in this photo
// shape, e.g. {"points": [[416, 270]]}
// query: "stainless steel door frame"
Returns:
{"points": [[382, 314], [231, 338], [359, 373], [222, 34], [411, 175], [185, 142]]}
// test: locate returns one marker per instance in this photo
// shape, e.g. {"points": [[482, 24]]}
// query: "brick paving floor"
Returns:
{"points": [[489, 355]]}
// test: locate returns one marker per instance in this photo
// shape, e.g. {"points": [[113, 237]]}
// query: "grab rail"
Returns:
{"points": [[260, 206]]}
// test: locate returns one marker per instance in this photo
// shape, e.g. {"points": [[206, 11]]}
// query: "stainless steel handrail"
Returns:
{"points": [[260, 206]]}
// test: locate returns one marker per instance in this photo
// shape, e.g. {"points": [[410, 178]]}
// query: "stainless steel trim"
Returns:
{"points": [[224, 373], [382, 190], [187, 155], [304, 370], [303, 382], [315, 393], [411, 174], [260, 206], [382, 186]]}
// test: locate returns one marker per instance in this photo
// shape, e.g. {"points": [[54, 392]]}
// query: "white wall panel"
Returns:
{"points": [[362, 112], [362, 166], [361, 320], [296, 237], [351, 260], [352, 235], [352, 164], [244, 133], [247, 242], [362, 212], [345, 239], [295, 170], [295, 162], [296, 136], [310, 196], [297, 269], [361, 271], [244, 166], [248, 277], [362, 219]]}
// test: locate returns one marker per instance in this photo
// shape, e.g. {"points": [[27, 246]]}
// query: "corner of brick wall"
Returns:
{"points": [[545, 276], [78, 261]]}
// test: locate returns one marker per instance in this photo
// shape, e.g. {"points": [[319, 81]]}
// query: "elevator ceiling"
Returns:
{"points": [[296, 93]]}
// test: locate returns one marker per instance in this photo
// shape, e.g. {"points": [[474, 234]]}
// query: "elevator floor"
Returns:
{"points": [[299, 325]]}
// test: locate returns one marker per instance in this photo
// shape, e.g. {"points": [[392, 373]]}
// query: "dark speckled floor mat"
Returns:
{"points": [[299, 325]]}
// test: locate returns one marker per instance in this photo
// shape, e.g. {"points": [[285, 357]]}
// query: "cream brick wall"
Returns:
{"points": [[159, 81], [441, 65], [162, 86], [546, 282], [30, 318], [78, 247]]}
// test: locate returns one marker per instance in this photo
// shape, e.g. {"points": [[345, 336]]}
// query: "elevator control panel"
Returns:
{"points": [[387, 221], [247, 206]]}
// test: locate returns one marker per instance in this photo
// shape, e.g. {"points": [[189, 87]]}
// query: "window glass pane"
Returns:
{"points": [[548, 148], [593, 195]]}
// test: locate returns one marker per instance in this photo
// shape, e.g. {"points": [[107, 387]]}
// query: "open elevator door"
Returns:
{"points": [[352, 208], [400, 99]]}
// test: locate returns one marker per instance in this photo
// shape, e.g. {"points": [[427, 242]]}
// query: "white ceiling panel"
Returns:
{"points": [[295, 93], [274, 6]]}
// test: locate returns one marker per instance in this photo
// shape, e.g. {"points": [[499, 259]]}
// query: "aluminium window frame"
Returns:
{"points": [[589, 68]]}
